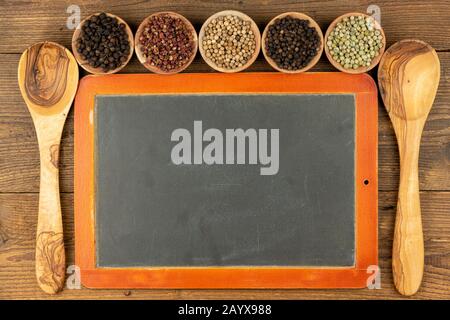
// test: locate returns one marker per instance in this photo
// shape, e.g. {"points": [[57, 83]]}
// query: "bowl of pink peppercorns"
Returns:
{"points": [[166, 42]]}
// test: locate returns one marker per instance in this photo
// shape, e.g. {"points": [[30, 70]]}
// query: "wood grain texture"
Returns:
{"points": [[26, 22], [18, 222], [19, 155], [408, 77], [427, 20], [48, 79]]}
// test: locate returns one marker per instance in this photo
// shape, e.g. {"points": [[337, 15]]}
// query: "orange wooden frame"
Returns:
{"points": [[366, 249]]}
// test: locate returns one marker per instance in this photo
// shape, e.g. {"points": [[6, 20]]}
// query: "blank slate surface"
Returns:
{"points": [[151, 212]]}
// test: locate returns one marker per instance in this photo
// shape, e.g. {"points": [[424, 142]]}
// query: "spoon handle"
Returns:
{"points": [[408, 250], [50, 255]]}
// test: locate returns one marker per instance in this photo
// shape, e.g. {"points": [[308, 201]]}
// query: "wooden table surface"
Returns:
{"points": [[25, 22]]}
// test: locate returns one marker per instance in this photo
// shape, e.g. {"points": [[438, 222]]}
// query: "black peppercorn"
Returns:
{"points": [[291, 43], [103, 42]]}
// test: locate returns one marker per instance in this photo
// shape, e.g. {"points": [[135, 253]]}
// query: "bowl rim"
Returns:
{"points": [[137, 45], [361, 69], [254, 28], [298, 15], [84, 63]]}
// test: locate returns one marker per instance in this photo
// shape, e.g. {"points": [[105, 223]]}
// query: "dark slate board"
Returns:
{"points": [[151, 212]]}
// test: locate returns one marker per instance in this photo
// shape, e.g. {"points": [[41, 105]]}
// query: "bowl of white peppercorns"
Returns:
{"points": [[354, 43], [229, 41]]}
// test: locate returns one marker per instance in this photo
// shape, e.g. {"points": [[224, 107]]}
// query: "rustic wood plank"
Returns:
{"points": [[46, 20], [30, 21], [19, 158], [18, 214]]}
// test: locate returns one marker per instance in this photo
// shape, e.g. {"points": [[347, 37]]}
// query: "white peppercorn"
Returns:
{"points": [[229, 42]]}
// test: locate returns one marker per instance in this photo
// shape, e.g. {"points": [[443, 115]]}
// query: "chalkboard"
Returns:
{"points": [[151, 211], [249, 180]]}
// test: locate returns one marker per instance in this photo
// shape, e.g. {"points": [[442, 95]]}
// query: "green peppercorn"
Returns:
{"points": [[355, 42]]}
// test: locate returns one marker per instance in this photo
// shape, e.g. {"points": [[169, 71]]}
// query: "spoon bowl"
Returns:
{"points": [[420, 64], [48, 80], [408, 77]]}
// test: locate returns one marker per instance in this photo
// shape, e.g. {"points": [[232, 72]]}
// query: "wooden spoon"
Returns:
{"points": [[48, 80], [408, 76]]}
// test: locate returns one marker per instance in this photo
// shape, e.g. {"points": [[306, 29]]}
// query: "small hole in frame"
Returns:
{"points": [[366, 182]]}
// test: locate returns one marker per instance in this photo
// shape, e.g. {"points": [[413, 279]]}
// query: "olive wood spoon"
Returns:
{"points": [[48, 80], [408, 76]]}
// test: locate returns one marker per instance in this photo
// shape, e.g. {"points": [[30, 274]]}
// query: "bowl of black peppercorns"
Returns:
{"points": [[292, 42], [103, 43]]}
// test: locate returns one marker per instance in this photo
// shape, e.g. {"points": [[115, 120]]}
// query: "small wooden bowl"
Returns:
{"points": [[312, 23], [83, 63], [363, 69], [253, 27], [138, 46]]}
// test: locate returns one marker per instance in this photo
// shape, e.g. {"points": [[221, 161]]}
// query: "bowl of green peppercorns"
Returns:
{"points": [[103, 43], [354, 43]]}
